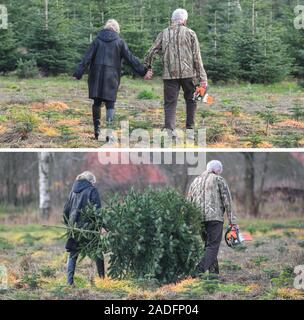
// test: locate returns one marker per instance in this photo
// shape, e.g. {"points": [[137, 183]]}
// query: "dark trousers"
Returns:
{"points": [[171, 93], [72, 267], [212, 236], [96, 110]]}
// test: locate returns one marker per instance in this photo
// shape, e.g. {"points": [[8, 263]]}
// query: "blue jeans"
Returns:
{"points": [[72, 266]]}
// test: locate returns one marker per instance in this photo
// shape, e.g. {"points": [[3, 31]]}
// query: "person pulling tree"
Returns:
{"points": [[104, 59], [83, 193]]}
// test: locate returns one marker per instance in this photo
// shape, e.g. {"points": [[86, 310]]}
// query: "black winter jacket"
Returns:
{"points": [[83, 193], [104, 59]]}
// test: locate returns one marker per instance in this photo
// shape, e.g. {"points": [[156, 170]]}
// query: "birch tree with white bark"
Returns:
{"points": [[45, 159]]}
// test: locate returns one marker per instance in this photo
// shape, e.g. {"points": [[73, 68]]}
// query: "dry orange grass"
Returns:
{"points": [[179, 287], [51, 132], [288, 293], [108, 284], [52, 105], [2, 129], [229, 138], [290, 123], [135, 293], [265, 144], [69, 122], [218, 145], [253, 287], [227, 114], [243, 115]]}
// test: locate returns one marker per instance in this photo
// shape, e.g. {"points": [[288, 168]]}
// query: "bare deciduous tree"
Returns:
{"points": [[253, 198]]}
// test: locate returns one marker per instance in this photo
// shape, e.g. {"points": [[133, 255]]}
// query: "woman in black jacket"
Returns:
{"points": [[83, 193], [104, 59]]}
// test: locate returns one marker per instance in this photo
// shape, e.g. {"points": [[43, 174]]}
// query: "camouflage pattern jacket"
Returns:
{"points": [[212, 195], [181, 54]]}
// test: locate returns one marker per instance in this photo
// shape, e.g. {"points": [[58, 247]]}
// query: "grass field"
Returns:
{"points": [[55, 112], [261, 269]]}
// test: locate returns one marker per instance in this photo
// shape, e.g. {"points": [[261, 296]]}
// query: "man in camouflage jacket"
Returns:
{"points": [[182, 67], [211, 193]]}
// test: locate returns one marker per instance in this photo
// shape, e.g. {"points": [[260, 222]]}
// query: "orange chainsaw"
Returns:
{"points": [[201, 94], [233, 237]]}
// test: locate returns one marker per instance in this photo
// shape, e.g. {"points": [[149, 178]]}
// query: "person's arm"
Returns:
{"points": [[67, 210], [198, 62], [85, 62], [95, 202], [95, 198], [132, 60], [189, 194], [227, 200], [157, 46]]}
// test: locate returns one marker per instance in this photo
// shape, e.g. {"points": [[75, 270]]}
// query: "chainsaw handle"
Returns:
{"points": [[232, 226], [204, 84]]}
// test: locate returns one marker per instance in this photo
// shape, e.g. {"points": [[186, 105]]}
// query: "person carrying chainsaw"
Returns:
{"points": [[211, 193], [182, 67]]}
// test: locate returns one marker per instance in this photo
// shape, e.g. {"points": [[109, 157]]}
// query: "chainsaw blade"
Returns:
{"points": [[245, 236]]}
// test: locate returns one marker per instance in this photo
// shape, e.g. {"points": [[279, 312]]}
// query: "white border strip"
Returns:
{"points": [[146, 150]]}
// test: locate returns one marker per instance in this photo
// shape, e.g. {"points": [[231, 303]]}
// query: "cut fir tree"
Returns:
{"points": [[152, 234]]}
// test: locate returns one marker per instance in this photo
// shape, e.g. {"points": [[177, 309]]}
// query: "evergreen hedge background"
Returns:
{"points": [[257, 43]]}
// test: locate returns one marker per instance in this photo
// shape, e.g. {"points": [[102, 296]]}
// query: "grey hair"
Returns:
{"points": [[112, 24], [87, 175], [179, 16], [215, 166]]}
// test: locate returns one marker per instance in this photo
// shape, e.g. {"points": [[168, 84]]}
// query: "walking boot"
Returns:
{"points": [[110, 118], [100, 268], [96, 110]]}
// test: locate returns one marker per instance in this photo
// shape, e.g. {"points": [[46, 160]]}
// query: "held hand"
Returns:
{"points": [[103, 232], [76, 76], [233, 226], [203, 84], [149, 75]]}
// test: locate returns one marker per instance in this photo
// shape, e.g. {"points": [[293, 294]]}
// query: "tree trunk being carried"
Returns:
{"points": [[45, 159]]}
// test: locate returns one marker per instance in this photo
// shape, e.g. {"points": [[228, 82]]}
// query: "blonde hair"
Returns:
{"points": [[112, 24], [87, 175]]}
